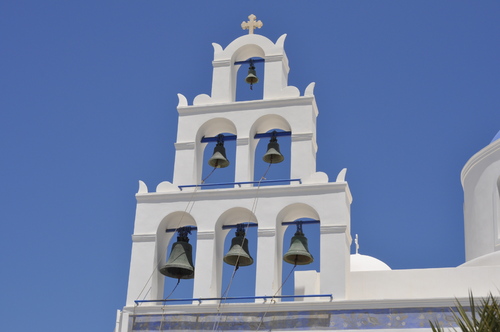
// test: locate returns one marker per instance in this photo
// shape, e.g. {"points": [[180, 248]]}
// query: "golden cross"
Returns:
{"points": [[251, 24]]}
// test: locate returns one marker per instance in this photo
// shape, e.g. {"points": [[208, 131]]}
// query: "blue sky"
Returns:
{"points": [[407, 92]]}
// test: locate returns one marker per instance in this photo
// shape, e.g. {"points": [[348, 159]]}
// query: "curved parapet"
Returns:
{"points": [[481, 183], [143, 189], [182, 100]]}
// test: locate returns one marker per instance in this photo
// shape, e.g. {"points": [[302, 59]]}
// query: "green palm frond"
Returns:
{"points": [[484, 317]]}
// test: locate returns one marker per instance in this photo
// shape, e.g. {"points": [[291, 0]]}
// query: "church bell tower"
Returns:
{"points": [[190, 203]]}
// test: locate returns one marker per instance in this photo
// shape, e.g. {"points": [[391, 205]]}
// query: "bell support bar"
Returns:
{"points": [[233, 137], [297, 222], [251, 60], [238, 183], [265, 298], [250, 224]]}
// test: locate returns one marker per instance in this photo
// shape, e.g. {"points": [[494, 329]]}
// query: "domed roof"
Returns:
{"points": [[497, 136], [367, 263]]}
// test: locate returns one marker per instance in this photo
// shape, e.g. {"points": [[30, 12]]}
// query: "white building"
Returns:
{"points": [[352, 292]]}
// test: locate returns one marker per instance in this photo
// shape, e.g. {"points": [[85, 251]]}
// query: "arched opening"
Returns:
{"points": [[183, 288], [287, 226], [216, 174], [312, 234], [267, 125], [237, 281], [209, 135], [245, 91], [167, 235], [272, 171]]}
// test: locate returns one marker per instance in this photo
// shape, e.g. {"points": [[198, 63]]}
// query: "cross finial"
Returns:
{"points": [[251, 24]]}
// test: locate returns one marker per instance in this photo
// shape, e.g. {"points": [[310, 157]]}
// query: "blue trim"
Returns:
{"points": [[231, 137], [216, 138], [277, 134], [303, 222], [257, 60], [265, 298], [238, 183]]}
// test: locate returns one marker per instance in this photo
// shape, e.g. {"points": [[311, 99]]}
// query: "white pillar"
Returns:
{"points": [[206, 272], [244, 161], [266, 281], [142, 266], [303, 154], [185, 164], [334, 264]]}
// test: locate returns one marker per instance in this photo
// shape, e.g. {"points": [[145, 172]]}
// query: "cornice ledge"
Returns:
{"points": [[445, 303], [332, 229], [143, 237], [244, 192], [184, 146], [244, 105], [301, 137], [266, 232], [205, 235], [478, 157]]}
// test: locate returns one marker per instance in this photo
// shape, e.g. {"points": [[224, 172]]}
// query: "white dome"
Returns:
{"points": [[367, 263]]}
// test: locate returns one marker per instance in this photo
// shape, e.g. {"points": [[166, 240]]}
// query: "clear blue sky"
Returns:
{"points": [[407, 92]]}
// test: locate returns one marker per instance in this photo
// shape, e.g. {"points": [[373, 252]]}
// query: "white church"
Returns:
{"points": [[350, 292]]}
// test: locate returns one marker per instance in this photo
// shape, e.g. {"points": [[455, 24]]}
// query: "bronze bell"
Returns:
{"points": [[218, 159], [180, 262], [298, 254], [251, 76], [238, 255], [273, 154]]}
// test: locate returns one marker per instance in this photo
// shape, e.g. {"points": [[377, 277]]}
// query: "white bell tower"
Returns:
{"points": [[186, 201]]}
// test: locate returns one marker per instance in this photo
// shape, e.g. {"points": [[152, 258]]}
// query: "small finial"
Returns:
{"points": [[357, 244], [251, 24]]}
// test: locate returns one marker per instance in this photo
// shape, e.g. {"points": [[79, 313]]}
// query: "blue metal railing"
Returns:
{"points": [[238, 183], [265, 298]]}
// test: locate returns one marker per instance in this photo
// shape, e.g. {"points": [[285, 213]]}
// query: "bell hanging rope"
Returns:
{"points": [[218, 159], [238, 254], [252, 75], [273, 154], [298, 254], [180, 262]]}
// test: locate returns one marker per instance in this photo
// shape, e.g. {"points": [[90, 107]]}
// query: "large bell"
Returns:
{"points": [[218, 159], [273, 154], [180, 262], [238, 255], [298, 254]]}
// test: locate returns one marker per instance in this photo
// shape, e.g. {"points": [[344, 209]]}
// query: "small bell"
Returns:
{"points": [[238, 255], [298, 254], [180, 262], [252, 75], [273, 154], [218, 159]]}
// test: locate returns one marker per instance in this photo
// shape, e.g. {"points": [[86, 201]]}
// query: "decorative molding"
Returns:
{"points": [[249, 105], [274, 58], [302, 137], [242, 141], [221, 63], [206, 235], [266, 232], [332, 229], [308, 191], [143, 237], [184, 146]]}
